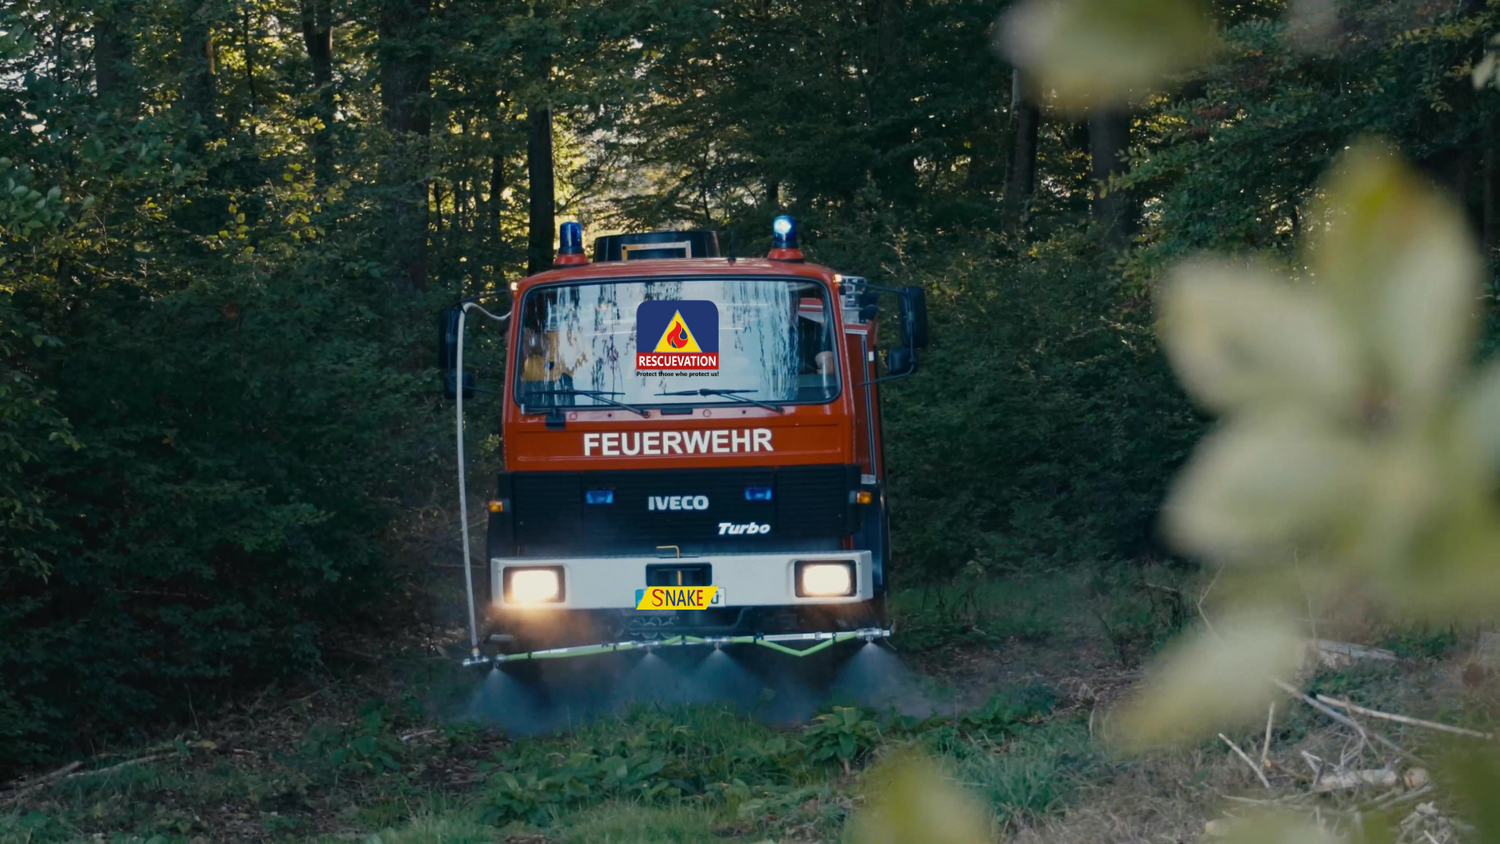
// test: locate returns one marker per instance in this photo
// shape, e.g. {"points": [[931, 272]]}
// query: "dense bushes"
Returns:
{"points": [[208, 415], [1043, 426], [213, 318]]}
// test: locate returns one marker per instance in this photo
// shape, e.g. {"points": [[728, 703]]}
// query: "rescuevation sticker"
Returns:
{"points": [[686, 333], [656, 443], [676, 597]]}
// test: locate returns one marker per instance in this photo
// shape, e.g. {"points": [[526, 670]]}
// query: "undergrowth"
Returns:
{"points": [[381, 771], [1136, 608]]}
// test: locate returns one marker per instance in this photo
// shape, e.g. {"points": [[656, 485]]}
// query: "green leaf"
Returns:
{"points": [[1212, 681]]}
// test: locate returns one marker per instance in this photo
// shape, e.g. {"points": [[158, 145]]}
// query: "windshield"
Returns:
{"points": [[678, 341]]}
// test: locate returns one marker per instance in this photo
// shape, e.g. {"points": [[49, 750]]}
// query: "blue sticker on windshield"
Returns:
{"points": [[677, 335]]}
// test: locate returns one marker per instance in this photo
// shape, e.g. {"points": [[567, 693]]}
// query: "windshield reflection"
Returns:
{"points": [[776, 344]]}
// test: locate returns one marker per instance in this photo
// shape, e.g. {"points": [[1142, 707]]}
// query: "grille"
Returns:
{"points": [[809, 508]]}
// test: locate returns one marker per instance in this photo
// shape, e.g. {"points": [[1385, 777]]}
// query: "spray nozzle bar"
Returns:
{"points": [[776, 641]]}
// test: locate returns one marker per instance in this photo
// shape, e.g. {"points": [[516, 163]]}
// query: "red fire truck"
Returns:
{"points": [[673, 417]]}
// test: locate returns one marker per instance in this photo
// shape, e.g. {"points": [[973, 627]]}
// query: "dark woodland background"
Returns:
{"points": [[227, 225]]}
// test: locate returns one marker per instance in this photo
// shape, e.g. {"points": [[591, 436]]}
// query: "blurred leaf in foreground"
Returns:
{"points": [[1473, 775], [912, 802], [1352, 432], [1305, 829], [1212, 680], [1095, 52]]}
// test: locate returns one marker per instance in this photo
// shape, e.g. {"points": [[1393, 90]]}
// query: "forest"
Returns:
{"points": [[228, 228]]}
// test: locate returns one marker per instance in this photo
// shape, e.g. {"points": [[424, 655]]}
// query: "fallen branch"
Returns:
{"points": [[33, 783], [1334, 654], [1248, 761], [1403, 719], [1272, 764], [1203, 597], [141, 760], [1380, 778], [21, 788], [1397, 799], [1349, 722], [1265, 746], [69, 772]]}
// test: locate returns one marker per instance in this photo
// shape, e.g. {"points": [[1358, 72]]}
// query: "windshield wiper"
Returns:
{"points": [[597, 395], [728, 394]]}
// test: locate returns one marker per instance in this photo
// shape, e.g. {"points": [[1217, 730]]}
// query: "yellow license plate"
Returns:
{"points": [[668, 598]]}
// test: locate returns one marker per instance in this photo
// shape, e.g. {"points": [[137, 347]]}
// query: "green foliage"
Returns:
{"points": [[1422, 640], [1007, 709], [211, 401], [1136, 615], [1235, 160], [684, 773], [214, 396], [1034, 775], [711, 756], [1006, 714], [844, 735], [1055, 401], [369, 747], [651, 755]]}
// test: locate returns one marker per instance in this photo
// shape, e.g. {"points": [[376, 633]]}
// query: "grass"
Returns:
{"points": [[1135, 608], [1034, 776], [687, 773], [366, 758]]}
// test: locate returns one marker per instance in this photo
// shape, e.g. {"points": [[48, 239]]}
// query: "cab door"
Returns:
{"points": [[874, 533]]}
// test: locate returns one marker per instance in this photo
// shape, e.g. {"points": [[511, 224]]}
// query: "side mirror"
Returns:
{"points": [[448, 339], [448, 355], [450, 384], [914, 316], [900, 361]]}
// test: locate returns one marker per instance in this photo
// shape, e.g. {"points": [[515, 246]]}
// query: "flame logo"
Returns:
{"points": [[677, 337]]}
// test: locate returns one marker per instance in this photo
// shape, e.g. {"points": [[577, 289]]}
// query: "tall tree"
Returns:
{"points": [[542, 181], [199, 69], [405, 91], [114, 69], [1026, 117], [317, 35], [1109, 138]]}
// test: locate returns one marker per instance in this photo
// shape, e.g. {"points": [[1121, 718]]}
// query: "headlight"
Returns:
{"points": [[533, 585], [825, 580]]}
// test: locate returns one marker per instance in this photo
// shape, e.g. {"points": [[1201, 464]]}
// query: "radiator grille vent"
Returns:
{"points": [[809, 508]]}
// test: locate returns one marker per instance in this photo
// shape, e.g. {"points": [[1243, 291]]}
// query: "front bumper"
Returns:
{"points": [[747, 580]]}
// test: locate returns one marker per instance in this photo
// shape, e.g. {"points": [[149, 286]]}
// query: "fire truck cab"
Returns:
{"points": [[672, 417]]}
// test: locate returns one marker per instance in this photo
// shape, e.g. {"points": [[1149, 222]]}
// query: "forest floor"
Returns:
{"points": [[1006, 684]]}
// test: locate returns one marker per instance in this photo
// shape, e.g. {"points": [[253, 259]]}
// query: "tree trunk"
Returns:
{"points": [[773, 194], [1028, 118], [405, 87], [1078, 142], [317, 35], [247, 35], [200, 85], [1109, 138], [497, 190], [542, 199], [114, 67]]}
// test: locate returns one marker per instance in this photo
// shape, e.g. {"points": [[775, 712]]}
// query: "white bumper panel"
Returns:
{"points": [[755, 580]]}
